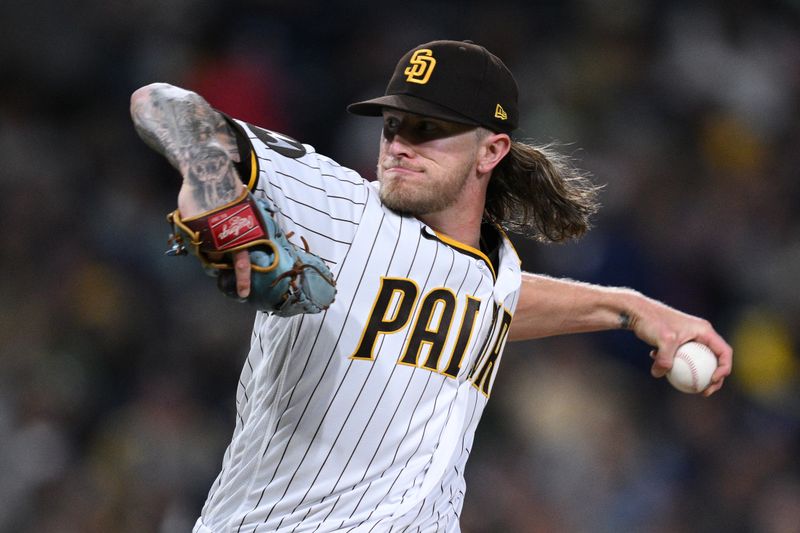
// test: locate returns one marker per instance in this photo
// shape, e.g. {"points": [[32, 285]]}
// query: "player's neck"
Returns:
{"points": [[461, 221], [457, 223]]}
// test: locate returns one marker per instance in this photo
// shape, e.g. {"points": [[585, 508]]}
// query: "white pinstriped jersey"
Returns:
{"points": [[361, 418]]}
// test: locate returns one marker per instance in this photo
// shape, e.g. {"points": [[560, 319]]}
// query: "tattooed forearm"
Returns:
{"points": [[193, 137]]}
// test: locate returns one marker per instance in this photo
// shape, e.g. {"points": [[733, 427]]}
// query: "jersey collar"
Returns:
{"points": [[429, 233]]}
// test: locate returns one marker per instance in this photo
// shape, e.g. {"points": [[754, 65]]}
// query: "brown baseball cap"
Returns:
{"points": [[458, 81]]}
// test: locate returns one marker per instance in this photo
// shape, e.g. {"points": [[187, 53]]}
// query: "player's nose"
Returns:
{"points": [[397, 144]]}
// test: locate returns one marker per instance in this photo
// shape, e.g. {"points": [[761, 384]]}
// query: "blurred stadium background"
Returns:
{"points": [[119, 365]]}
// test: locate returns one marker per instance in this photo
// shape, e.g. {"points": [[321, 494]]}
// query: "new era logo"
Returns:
{"points": [[500, 113]]}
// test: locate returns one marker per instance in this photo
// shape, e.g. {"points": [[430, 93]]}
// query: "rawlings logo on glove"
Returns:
{"points": [[285, 279], [234, 226]]}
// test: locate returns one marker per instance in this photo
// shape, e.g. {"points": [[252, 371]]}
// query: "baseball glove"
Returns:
{"points": [[285, 279]]}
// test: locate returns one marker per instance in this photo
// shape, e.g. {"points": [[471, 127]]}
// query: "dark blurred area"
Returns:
{"points": [[119, 365]]}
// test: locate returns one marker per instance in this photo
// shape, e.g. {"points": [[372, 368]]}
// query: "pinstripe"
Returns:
{"points": [[450, 408], [388, 425], [255, 337], [377, 448], [455, 467], [321, 234], [354, 403], [323, 212], [357, 180], [288, 443], [438, 395], [343, 198], [305, 366], [395, 248], [408, 383], [361, 436]]}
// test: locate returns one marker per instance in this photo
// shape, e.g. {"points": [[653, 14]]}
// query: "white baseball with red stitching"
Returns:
{"points": [[692, 368]]}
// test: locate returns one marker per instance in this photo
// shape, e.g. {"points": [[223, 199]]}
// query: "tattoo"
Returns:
{"points": [[626, 321], [194, 138]]}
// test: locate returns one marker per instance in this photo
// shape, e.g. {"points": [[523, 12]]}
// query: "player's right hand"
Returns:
{"points": [[666, 329]]}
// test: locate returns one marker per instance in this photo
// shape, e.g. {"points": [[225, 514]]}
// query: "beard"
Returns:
{"points": [[410, 197]]}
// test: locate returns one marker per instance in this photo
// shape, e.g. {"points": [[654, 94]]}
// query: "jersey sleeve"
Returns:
{"points": [[313, 196]]}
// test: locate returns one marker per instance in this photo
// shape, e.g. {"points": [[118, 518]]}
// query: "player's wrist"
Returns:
{"points": [[619, 308], [192, 201]]}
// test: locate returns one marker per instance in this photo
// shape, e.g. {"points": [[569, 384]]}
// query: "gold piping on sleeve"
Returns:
{"points": [[251, 184]]}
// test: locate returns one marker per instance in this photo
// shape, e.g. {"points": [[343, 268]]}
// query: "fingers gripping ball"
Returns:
{"points": [[692, 368], [285, 279]]}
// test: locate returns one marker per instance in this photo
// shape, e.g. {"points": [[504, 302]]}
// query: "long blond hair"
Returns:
{"points": [[537, 192]]}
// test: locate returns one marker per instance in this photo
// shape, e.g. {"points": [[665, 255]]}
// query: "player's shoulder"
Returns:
{"points": [[263, 150], [279, 143]]}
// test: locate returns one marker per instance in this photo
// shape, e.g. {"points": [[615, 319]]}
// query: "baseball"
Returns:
{"points": [[692, 368]]}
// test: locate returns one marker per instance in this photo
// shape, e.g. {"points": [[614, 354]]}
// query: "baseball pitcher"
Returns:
{"points": [[382, 309]]}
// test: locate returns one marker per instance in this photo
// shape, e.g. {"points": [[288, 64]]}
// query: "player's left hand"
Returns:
{"points": [[666, 329], [241, 269], [273, 274], [241, 266]]}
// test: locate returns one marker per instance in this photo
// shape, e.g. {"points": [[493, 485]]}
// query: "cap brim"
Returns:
{"points": [[410, 104]]}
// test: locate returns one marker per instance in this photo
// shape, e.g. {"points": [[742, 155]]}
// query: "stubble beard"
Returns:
{"points": [[417, 199]]}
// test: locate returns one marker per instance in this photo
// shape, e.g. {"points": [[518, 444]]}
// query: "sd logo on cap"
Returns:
{"points": [[420, 66]]}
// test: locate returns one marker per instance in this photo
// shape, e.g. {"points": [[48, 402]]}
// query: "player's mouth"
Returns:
{"points": [[400, 170]]}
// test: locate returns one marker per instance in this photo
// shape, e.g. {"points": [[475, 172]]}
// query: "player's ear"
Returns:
{"points": [[492, 148]]}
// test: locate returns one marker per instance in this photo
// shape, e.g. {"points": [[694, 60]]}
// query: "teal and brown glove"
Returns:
{"points": [[285, 279]]}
